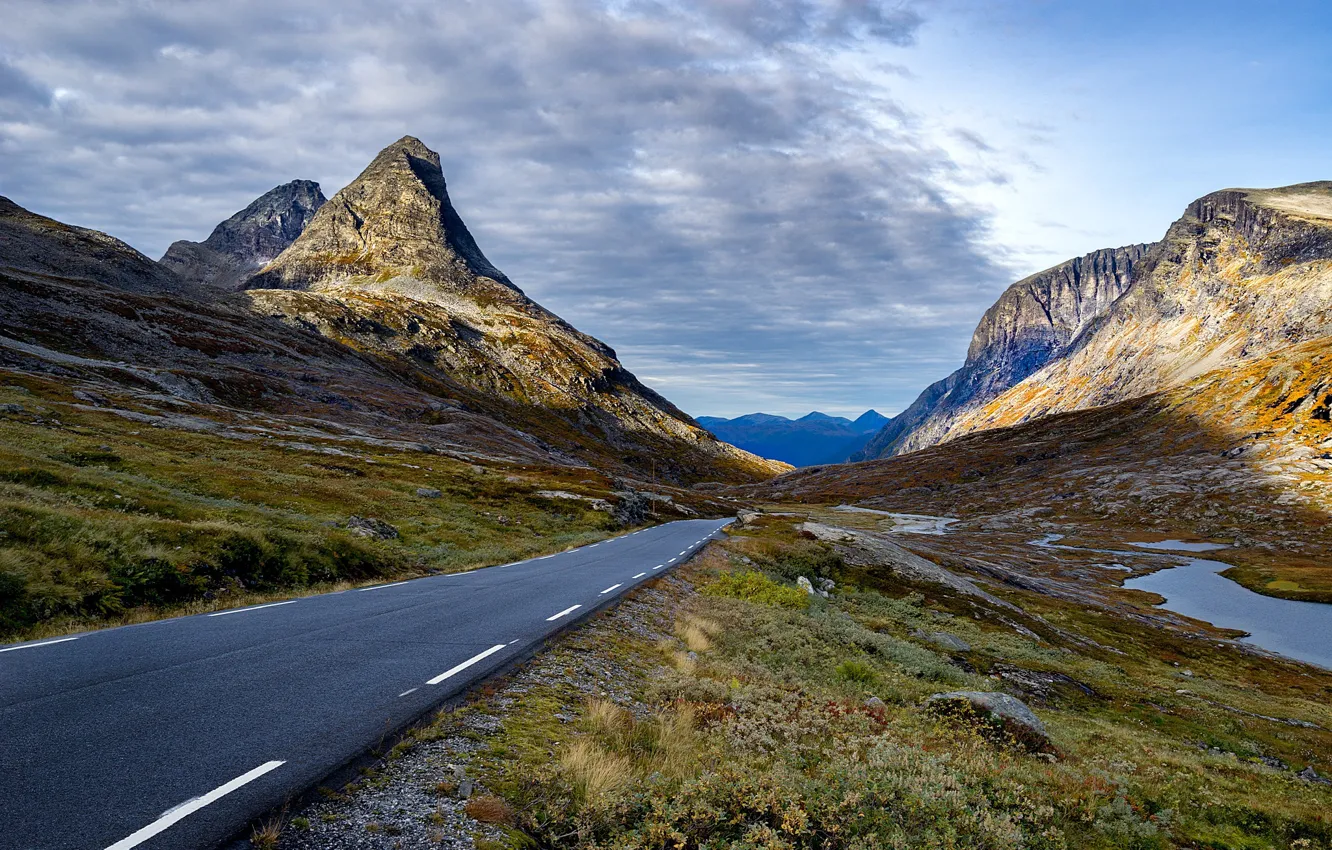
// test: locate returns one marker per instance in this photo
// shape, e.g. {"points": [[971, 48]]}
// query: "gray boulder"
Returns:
{"points": [[805, 585], [1004, 714], [943, 640], [428, 493], [375, 529]]}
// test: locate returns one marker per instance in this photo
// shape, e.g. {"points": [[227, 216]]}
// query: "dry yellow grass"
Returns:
{"points": [[593, 771]]}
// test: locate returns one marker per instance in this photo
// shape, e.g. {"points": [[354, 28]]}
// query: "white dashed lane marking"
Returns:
{"points": [[453, 671], [609, 589], [568, 610], [184, 810], [35, 645], [253, 608]]}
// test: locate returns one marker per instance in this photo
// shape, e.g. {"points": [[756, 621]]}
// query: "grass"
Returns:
{"points": [[764, 738], [105, 520]]}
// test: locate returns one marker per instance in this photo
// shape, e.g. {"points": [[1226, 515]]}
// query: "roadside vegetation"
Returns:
{"points": [[763, 723], [105, 520]]}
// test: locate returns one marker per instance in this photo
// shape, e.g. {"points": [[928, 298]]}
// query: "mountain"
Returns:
{"points": [[814, 438], [248, 240], [37, 246], [1032, 323], [388, 268], [1241, 274], [400, 331]]}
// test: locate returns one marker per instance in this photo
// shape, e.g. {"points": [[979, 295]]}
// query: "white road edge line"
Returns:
{"points": [[568, 610], [480, 656], [252, 608], [640, 575], [609, 589], [409, 691], [32, 645], [189, 807], [381, 586]]}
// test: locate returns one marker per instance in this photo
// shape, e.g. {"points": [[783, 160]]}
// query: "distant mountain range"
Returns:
{"points": [[813, 439]]}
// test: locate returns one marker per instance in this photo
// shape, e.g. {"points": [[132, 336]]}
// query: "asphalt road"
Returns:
{"points": [[177, 733]]}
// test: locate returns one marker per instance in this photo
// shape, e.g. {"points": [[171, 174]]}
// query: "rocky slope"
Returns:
{"points": [[249, 240], [1032, 323], [40, 247], [811, 439], [1242, 454], [388, 268], [1243, 273]]}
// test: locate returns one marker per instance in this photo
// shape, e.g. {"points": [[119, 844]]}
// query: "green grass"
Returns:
{"points": [[105, 520], [760, 736]]}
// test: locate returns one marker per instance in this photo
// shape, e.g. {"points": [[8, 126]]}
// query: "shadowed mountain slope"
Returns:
{"points": [[1032, 323], [249, 240]]}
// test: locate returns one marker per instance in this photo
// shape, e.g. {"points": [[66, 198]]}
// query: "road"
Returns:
{"points": [[177, 733]]}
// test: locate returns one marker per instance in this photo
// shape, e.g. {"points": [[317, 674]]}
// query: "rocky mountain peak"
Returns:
{"points": [[248, 240], [394, 221]]}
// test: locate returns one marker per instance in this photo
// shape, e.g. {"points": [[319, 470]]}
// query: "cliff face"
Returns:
{"points": [[249, 240], [1243, 273], [1032, 323], [387, 267]]}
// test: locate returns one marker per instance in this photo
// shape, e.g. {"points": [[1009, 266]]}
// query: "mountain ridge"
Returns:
{"points": [[814, 438], [248, 240]]}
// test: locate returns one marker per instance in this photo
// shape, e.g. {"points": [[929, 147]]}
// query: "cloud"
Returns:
{"points": [[710, 187]]}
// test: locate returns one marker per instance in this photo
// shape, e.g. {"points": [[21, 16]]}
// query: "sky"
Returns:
{"points": [[762, 205]]}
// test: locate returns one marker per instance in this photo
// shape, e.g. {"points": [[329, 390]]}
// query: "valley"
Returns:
{"points": [[968, 636]]}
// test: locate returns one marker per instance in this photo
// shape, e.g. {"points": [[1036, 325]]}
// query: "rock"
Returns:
{"points": [[428, 493], [805, 585], [747, 518], [91, 398], [375, 529], [944, 640], [1006, 712], [249, 240], [1311, 775], [875, 703], [11, 408], [632, 509], [602, 505]]}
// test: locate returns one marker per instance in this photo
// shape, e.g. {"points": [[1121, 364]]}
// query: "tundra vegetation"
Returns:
{"points": [[105, 520], [762, 723]]}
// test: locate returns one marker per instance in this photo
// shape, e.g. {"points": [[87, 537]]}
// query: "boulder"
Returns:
{"points": [[428, 493], [875, 703], [805, 585], [943, 640], [747, 518], [375, 529], [1004, 714], [633, 508]]}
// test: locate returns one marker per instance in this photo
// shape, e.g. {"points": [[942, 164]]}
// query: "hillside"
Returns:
{"points": [[1241, 274]]}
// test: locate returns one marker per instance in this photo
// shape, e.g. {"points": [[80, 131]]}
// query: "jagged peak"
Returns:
{"points": [[394, 220]]}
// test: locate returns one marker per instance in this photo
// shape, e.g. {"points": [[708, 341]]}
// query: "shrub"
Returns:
{"points": [[753, 586], [857, 671]]}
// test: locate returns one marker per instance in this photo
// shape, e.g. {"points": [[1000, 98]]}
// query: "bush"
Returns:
{"points": [[752, 586]]}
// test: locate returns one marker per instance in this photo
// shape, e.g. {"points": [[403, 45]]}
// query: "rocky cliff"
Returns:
{"points": [[249, 240], [1032, 323], [1243, 273]]}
